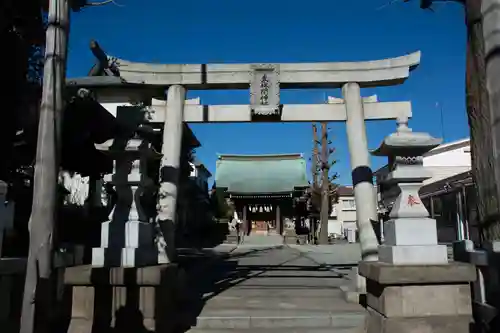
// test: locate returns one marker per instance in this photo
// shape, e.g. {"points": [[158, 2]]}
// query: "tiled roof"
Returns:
{"points": [[345, 191], [261, 174]]}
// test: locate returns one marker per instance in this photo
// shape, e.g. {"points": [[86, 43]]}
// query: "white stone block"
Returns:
{"points": [[131, 234], [98, 256], [413, 254], [128, 257], [358, 282], [410, 231]]}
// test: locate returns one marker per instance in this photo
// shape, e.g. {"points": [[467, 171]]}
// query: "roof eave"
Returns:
{"points": [[98, 81]]}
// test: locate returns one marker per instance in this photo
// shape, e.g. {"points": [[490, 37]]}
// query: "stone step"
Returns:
{"points": [[302, 293], [284, 319], [359, 329], [280, 283], [238, 304]]}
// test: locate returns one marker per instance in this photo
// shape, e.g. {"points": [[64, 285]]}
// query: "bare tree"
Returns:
{"points": [[328, 189], [315, 192]]}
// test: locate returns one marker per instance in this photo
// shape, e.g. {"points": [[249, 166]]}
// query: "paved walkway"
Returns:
{"points": [[269, 289], [333, 254]]}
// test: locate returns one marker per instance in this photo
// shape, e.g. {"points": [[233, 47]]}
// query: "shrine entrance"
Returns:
{"points": [[160, 91], [265, 189], [261, 219]]}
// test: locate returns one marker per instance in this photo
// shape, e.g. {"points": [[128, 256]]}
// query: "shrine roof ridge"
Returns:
{"points": [[389, 71]]}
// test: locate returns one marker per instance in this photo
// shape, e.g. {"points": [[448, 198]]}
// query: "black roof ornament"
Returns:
{"points": [[104, 66]]}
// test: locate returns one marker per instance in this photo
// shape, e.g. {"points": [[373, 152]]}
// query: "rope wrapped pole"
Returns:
{"points": [[41, 225]]}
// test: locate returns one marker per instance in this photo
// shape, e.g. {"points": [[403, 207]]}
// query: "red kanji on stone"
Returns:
{"points": [[412, 201]]}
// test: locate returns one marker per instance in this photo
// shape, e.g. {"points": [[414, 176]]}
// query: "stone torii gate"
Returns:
{"points": [[265, 82], [163, 89]]}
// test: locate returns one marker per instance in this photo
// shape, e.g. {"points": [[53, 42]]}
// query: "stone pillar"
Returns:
{"points": [[279, 228], [169, 172], [413, 288], [364, 191], [365, 195], [245, 219]]}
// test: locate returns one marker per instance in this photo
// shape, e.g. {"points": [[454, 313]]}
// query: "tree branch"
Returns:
{"points": [[106, 2], [388, 4]]}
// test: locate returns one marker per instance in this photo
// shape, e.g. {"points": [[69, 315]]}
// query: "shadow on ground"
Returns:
{"points": [[222, 273]]}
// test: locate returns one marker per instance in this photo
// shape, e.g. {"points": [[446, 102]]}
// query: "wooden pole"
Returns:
{"points": [[314, 158], [41, 225], [325, 195], [314, 171]]}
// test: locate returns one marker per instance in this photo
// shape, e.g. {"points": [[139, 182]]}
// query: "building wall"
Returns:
{"points": [[448, 160], [453, 154], [343, 216]]}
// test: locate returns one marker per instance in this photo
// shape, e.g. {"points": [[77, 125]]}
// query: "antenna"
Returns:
{"points": [[443, 134]]}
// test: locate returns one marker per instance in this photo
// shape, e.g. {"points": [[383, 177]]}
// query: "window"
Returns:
{"points": [[348, 204]]}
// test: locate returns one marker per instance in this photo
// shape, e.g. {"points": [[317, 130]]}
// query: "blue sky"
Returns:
{"points": [[229, 31]]}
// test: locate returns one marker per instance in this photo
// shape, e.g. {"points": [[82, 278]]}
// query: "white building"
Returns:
{"points": [[343, 216], [447, 160]]}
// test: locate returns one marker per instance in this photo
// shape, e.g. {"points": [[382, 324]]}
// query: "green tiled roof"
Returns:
{"points": [[254, 174]]}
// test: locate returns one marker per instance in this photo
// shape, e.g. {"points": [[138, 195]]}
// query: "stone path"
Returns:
{"points": [[263, 240], [334, 254], [269, 289]]}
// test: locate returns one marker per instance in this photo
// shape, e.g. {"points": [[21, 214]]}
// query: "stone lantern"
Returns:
{"points": [[129, 238], [410, 236], [413, 287]]}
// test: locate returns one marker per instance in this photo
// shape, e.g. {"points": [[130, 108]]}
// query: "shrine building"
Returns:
{"points": [[263, 188]]}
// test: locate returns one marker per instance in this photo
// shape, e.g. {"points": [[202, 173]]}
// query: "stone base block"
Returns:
{"points": [[413, 254], [291, 239], [127, 257], [350, 295], [418, 298], [123, 299], [232, 237], [355, 291], [136, 234], [410, 231], [388, 274], [377, 323]]}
